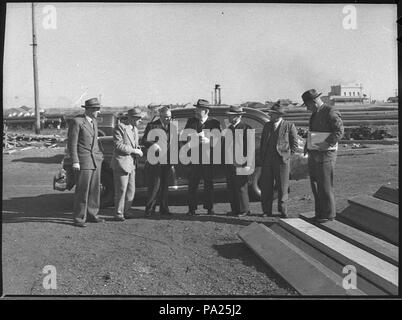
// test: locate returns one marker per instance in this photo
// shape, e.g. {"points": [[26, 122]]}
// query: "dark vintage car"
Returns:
{"points": [[178, 181]]}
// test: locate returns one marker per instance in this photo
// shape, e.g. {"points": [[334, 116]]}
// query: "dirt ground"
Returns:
{"points": [[177, 255]]}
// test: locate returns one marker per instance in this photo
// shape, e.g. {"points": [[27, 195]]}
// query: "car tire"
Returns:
{"points": [[107, 187]]}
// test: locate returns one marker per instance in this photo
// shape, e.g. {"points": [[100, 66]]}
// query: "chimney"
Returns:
{"points": [[217, 94]]}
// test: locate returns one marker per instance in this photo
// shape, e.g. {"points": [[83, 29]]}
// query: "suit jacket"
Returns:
{"points": [[326, 119], [157, 124], [287, 139], [240, 126], [209, 124], [125, 140], [83, 143]]}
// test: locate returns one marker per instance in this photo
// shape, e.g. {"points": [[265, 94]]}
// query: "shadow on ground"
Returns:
{"points": [[240, 251], [58, 208], [47, 160]]}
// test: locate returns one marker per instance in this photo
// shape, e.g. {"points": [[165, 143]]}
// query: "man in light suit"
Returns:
{"points": [[124, 161], [278, 142], [87, 161]]}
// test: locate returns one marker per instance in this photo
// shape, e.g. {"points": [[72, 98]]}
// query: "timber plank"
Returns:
{"points": [[335, 266], [378, 224], [388, 194], [374, 269], [363, 240], [375, 204], [305, 274]]}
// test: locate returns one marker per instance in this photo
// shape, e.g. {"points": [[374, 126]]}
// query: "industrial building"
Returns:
{"points": [[344, 94]]}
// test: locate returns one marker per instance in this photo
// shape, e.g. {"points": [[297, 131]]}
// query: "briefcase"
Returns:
{"points": [[314, 137]]}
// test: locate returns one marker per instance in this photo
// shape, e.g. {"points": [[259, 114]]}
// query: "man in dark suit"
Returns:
{"points": [[237, 184], [278, 142], [87, 161], [124, 161], [201, 122], [158, 174], [322, 157]]}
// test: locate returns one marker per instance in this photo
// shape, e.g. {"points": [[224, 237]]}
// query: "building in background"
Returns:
{"points": [[346, 94]]}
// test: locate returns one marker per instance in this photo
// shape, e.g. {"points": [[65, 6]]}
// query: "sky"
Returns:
{"points": [[137, 54]]}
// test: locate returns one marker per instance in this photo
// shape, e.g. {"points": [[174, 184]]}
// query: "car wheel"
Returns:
{"points": [[107, 188]]}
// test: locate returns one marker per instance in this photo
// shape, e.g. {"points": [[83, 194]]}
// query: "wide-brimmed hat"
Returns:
{"points": [[310, 95], [202, 103], [278, 108], [92, 103], [136, 112], [235, 110]]}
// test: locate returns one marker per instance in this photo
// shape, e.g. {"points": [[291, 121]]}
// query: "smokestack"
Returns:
{"points": [[217, 94], [212, 97]]}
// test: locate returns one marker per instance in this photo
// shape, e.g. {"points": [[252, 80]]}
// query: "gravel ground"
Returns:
{"points": [[177, 255]]}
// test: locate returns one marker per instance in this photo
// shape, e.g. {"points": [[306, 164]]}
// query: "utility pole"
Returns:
{"points": [[35, 73]]}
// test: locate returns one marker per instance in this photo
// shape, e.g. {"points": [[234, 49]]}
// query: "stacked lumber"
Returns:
{"points": [[19, 142], [315, 258]]}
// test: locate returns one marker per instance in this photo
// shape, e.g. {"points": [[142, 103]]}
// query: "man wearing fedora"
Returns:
{"points": [[200, 122], [321, 158], [158, 174], [87, 161], [278, 142], [237, 184], [124, 161]]}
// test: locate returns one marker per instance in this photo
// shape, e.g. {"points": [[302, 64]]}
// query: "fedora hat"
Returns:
{"points": [[310, 95], [201, 103], [278, 108], [91, 103], [236, 110], [136, 112]]}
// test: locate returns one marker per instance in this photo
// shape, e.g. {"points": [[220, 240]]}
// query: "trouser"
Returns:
{"points": [[158, 187], [237, 186], [273, 173], [124, 191], [322, 185], [87, 194], [196, 172]]}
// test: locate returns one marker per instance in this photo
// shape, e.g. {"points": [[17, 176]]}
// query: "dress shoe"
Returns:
{"points": [[128, 216], [267, 214], [80, 224], [148, 213], [243, 214], [96, 220], [119, 218]]}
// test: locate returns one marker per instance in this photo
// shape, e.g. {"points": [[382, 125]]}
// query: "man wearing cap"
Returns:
{"points": [[124, 160], [237, 184], [86, 162], [278, 142], [158, 174], [321, 158], [201, 122]]}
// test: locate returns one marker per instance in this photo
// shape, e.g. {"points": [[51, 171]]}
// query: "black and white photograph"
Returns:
{"points": [[200, 150]]}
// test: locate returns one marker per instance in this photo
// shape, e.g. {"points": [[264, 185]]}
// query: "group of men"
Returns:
{"points": [[278, 142]]}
